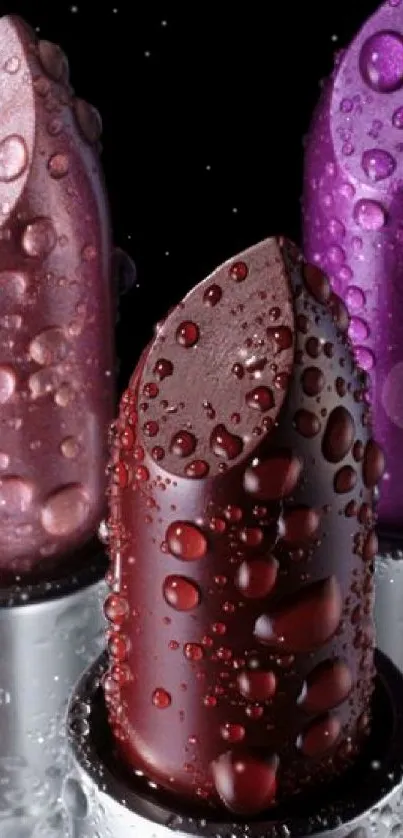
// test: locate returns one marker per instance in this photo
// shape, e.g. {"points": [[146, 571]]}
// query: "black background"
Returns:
{"points": [[205, 107]]}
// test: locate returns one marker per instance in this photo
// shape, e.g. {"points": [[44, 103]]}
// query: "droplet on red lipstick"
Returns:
{"points": [[186, 541], [320, 736], [275, 477], [187, 334], [238, 271], [232, 732], [301, 525], [257, 686], [181, 593], [225, 444], [161, 698], [212, 295], [261, 398], [255, 579], [197, 469], [183, 444], [306, 621], [327, 686], [163, 368], [245, 783]]}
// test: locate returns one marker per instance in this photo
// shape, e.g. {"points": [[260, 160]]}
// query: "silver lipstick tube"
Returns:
{"points": [[49, 633], [101, 801]]}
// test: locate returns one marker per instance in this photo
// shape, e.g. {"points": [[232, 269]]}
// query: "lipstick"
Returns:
{"points": [[240, 673], [353, 217], [56, 400]]}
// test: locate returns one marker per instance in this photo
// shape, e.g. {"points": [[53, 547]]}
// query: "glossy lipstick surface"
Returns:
{"points": [[242, 540], [56, 309], [353, 226]]}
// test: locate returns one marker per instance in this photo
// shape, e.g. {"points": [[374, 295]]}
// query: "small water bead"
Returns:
{"points": [[251, 536], [257, 578], [320, 736], [336, 228], [158, 453], [355, 298], [257, 686], [365, 358], [181, 593], [282, 337], [16, 495], [397, 118], [187, 334], [186, 541], [70, 447], [238, 371], [151, 428], [161, 698], [275, 477], [65, 511], [212, 295], [238, 271], [225, 444], [193, 652], [300, 525], [232, 732], [12, 65], [261, 398], [163, 368], [381, 61], [245, 783], [116, 609], [313, 381], [378, 164], [336, 255], [345, 480], [183, 444], [64, 395], [370, 215], [327, 686], [304, 623], [58, 166], [118, 646], [141, 474], [49, 346], [197, 469], [39, 238], [13, 158], [150, 390], [8, 383]]}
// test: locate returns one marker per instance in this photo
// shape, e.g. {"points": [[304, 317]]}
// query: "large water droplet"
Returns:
{"points": [[255, 579], [245, 783], [89, 120], [274, 478], [339, 435], [181, 593], [381, 61], [225, 444], [8, 383], [327, 686], [49, 346], [186, 541], [378, 164], [13, 158], [320, 736], [65, 510], [39, 238], [15, 495], [370, 215], [256, 685]]}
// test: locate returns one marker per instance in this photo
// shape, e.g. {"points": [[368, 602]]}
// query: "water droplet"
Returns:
{"points": [[53, 60], [8, 382], [225, 444], [65, 511], [116, 609], [12, 65], [300, 525], [187, 334], [339, 435], [245, 783], [261, 398], [161, 698], [45, 381], [274, 478], [49, 346], [282, 337], [212, 295], [58, 166], [327, 686], [381, 61], [232, 732], [181, 593], [306, 423], [163, 368], [365, 358], [193, 652], [307, 621], [313, 381], [370, 215], [374, 464], [238, 271], [197, 469], [345, 480], [70, 447], [355, 298], [317, 283], [16, 495], [257, 685], [75, 799], [397, 118], [151, 428], [378, 164], [89, 120], [255, 579], [39, 238], [183, 444], [320, 736], [13, 158], [186, 541]]}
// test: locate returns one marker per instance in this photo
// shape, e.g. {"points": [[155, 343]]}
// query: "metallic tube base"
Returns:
{"points": [[45, 645], [102, 802], [389, 599]]}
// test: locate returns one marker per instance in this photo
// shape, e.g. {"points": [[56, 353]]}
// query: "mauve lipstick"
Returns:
{"points": [[56, 311], [353, 219], [242, 541]]}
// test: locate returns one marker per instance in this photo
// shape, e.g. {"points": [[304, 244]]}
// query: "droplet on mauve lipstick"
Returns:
{"points": [[186, 541], [181, 593]]}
